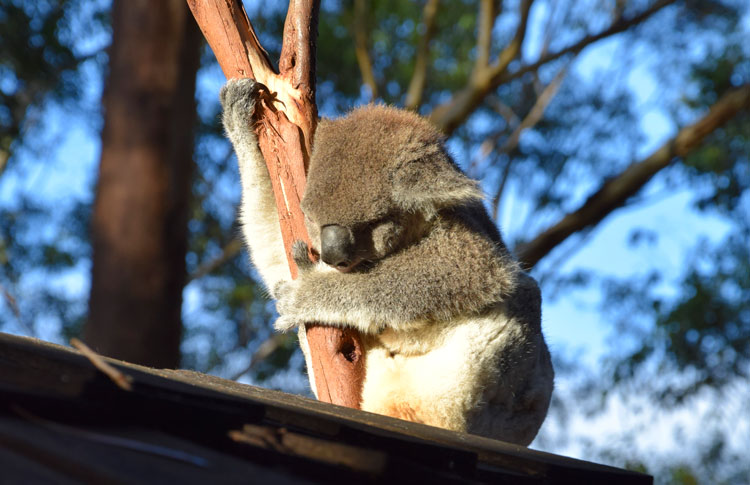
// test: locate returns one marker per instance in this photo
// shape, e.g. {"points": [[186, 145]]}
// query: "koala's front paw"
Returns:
{"points": [[238, 98], [285, 293], [287, 305], [284, 323], [301, 255]]}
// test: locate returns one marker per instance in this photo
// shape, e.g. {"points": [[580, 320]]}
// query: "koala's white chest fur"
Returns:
{"points": [[454, 375], [432, 373]]}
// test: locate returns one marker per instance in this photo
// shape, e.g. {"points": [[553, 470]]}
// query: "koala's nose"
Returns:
{"points": [[336, 246]]}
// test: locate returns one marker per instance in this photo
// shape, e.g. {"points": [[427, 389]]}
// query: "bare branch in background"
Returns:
{"points": [[419, 78], [617, 27], [450, 115], [14, 308], [488, 12], [264, 351], [228, 253], [531, 119], [362, 46], [12, 303], [454, 112], [4, 156], [615, 192], [510, 116], [549, 29]]}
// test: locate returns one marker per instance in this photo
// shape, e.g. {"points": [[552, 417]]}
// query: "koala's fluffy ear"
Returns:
{"points": [[432, 182]]}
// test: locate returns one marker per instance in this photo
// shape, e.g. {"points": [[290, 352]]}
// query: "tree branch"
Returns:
{"points": [[361, 47], [532, 118], [263, 352], [232, 249], [454, 112], [450, 115], [615, 192], [536, 112], [488, 12], [618, 26], [419, 77], [286, 123]]}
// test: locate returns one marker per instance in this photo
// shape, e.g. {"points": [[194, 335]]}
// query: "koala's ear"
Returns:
{"points": [[433, 182]]}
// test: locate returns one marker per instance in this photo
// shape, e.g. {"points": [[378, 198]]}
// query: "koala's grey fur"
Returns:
{"points": [[451, 325]]}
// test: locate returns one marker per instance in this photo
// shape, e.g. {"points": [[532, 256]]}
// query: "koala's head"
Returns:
{"points": [[376, 179]]}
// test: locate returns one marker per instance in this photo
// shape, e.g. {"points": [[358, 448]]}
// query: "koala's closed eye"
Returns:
{"points": [[386, 237]]}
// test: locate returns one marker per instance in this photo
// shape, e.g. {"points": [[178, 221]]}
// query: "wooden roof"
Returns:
{"points": [[64, 421]]}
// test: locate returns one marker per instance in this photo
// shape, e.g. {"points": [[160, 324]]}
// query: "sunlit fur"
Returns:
{"points": [[451, 325]]}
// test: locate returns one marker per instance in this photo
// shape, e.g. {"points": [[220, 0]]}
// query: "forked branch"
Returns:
{"points": [[287, 119]]}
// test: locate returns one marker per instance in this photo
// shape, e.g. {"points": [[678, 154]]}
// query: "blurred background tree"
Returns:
{"points": [[612, 139]]}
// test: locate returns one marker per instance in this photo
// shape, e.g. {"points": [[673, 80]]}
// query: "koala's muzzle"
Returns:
{"points": [[337, 247]]}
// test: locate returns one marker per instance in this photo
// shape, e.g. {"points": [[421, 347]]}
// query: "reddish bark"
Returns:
{"points": [[288, 119]]}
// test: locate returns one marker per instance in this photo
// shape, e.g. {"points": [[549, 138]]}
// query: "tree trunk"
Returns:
{"points": [[139, 225]]}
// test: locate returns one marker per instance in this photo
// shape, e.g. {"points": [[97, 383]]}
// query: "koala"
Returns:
{"points": [[409, 256]]}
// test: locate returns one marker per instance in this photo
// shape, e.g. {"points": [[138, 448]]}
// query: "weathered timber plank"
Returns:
{"points": [[54, 379]]}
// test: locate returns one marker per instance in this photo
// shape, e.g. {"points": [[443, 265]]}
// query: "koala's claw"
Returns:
{"points": [[300, 252]]}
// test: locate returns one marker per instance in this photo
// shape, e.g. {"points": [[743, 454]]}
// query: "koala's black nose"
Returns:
{"points": [[336, 246]]}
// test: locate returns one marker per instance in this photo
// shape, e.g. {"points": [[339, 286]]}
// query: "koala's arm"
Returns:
{"points": [[258, 215], [451, 272]]}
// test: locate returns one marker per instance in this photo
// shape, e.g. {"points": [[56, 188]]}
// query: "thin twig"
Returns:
{"points": [[16, 310], [536, 112], [419, 77], [362, 46], [513, 49], [488, 12], [549, 29], [510, 116], [264, 351], [615, 28], [233, 247], [4, 157], [450, 115], [501, 188], [530, 120], [11, 302], [122, 380]]}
